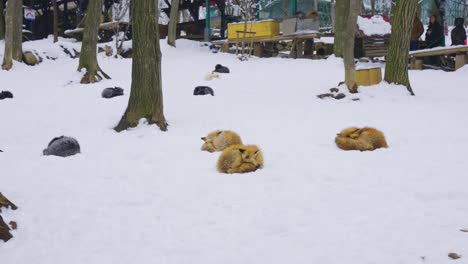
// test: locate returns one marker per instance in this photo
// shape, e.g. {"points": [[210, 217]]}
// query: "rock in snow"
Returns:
{"points": [[203, 90], [63, 147]]}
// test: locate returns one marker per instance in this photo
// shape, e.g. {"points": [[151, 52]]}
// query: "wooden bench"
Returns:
{"points": [[460, 52], [301, 43]]}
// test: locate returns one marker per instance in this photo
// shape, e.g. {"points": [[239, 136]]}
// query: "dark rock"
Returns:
{"points": [[62, 147], [334, 90], [325, 95], [5, 94], [356, 99], [340, 96], [112, 92], [221, 69], [203, 90]]}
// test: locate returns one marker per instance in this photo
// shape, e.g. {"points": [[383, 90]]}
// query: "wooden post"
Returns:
{"points": [[293, 52], [300, 48], [309, 47], [416, 64], [460, 61], [225, 47], [258, 49]]}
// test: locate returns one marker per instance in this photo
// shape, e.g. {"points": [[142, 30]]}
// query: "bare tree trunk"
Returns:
{"points": [[372, 2], [88, 58], [173, 20], [316, 5], [2, 20], [13, 34], [348, 49], [332, 15], [146, 98], [340, 21], [419, 12], [396, 70], [54, 5]]}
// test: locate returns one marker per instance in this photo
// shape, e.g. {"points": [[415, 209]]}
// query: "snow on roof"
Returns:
{"points": [[374, 25]]}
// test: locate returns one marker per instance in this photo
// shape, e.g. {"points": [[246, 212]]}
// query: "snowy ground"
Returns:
{"points": [[145, 196]]}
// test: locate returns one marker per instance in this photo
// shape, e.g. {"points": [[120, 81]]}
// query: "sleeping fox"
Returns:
{"points": [[218, 140], [240, 159], [362, 139]]}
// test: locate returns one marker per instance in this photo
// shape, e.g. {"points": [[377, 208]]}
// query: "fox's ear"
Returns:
{"points": [[203, 138], [220, 132], [242, 151], [256, 153]]}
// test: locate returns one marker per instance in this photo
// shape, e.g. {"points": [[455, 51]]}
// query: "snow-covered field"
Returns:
{"points": [[145, 196]]}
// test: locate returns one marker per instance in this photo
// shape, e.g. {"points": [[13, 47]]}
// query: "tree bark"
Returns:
{"points": [[340, 21], [13, 34], [2, 20], [146, 98], [348, 42], [396, 70], [332, 15], [173, 20], [88, 58], [54, 5], [372, 2]]}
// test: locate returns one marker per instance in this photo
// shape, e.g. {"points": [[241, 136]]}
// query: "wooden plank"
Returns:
{"points": [[438, 52]]}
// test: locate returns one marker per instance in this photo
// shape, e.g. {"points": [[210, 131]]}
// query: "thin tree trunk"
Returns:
{"points": [[13, 34], [396, 70], [173, 20], [348, 49], [146, 98], [372, 2], [332, 15], [316, 5], [340, 21], [2, 20], [88, 58], [54, 5]]}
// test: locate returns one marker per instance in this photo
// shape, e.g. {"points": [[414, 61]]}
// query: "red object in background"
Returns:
{"points": [[212, 3], [466, 43]]}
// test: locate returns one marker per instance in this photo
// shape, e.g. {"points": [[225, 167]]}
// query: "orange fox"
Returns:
{"points": [[362, 139], [240, 159], [218, 140]]}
